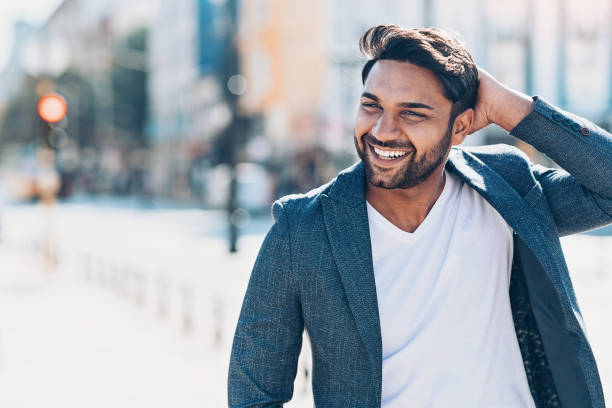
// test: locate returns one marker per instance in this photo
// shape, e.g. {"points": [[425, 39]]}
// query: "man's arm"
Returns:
{"points": [[580, 197], [268, 337]]}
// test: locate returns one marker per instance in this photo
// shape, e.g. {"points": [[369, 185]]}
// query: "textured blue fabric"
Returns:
{"points": [[314, 272]]}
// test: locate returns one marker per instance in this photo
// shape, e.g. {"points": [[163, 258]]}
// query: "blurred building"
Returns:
{"points": [[107, 59], [281, 46], [585, 50], [93, 52], [298, 87], [92, 31], [278, 45], [91, 28], [185, 96], [11, 77], [558, 49]]}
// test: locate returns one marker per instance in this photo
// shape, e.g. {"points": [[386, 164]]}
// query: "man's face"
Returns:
{"points": [[402, 129]]}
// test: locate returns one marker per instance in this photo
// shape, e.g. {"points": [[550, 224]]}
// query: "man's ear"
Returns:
{"points": [[461, 126]]}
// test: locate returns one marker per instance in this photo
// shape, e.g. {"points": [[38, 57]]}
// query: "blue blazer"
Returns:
{"points": [[314, 272]]}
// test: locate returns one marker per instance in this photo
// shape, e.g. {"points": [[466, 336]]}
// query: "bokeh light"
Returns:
{"points": [[52, 107], [237, 84]]}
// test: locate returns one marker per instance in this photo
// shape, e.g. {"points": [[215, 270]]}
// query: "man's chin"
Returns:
{"points": [[382, 177], [382, 184], [387, 185], [395, 178]]}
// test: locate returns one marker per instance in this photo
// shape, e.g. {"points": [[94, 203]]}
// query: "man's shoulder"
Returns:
{"points": [[506, 160], [303, 202], [303, 207], [497, 153]]}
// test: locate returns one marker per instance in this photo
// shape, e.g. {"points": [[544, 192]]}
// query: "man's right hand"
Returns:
{"points": [[496, 103]]}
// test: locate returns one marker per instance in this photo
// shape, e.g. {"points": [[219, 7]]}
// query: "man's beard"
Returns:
{"points": [[412, 171]]}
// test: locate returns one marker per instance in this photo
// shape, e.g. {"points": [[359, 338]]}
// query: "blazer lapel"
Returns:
{"points": [[493, 188], [510, 205], [346, 222]]}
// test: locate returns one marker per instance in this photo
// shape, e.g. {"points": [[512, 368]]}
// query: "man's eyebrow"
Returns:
{"points": [[369, 96], [410, 105], [414, 105]]}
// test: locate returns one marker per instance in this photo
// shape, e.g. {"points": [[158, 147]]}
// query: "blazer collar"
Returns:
{"points": [[493, 188], [349, 189]]}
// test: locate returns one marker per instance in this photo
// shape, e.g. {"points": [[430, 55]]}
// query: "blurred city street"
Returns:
{"points": [[141, 306], [129, 130]]}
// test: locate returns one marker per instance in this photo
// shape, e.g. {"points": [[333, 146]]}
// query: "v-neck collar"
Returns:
{"points": [[428, 221]]}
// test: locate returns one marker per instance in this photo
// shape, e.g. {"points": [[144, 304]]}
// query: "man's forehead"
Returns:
{"points": [[395, 81]]}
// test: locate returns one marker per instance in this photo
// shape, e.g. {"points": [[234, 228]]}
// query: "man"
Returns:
{"points": [[428, 275]]}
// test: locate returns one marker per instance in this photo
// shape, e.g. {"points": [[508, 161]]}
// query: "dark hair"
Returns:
{"points": [[430, 48]]}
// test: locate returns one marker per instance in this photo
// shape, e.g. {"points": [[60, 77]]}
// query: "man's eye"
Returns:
{"points": [[369, 105], [412, 113]]}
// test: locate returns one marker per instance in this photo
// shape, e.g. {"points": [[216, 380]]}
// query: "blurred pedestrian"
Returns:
{"points": [[429, 274]]}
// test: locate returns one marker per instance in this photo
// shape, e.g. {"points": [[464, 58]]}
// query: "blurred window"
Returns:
{"points": [[588, 55], [508, 50]]}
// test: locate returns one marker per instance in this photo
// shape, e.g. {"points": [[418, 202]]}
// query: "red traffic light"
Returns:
{"points": [[52, 107]]}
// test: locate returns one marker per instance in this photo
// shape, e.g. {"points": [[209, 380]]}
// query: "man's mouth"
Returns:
{"points": [[387, 156]]}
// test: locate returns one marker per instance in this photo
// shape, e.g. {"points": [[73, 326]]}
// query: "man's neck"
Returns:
{"points": [[407, 208]]}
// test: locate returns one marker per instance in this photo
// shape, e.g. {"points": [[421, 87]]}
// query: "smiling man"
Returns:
{"points": [[431, 275]]}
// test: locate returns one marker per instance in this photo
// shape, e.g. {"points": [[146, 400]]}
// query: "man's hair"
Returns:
{"points": [[430, 48]]}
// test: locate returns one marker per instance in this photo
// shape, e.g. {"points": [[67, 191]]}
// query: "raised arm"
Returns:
{"points": [[580, 195], [268, 336]]}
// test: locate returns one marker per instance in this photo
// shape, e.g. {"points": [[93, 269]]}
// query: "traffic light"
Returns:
{"points": [[52, 108]]}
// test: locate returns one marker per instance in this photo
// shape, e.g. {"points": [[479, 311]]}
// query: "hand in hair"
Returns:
{"points": [[496, 103]]}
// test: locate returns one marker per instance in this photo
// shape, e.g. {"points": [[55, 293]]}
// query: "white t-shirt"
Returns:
{"points": [[447, 332]]}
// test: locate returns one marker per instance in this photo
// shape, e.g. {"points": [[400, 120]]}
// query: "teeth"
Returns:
{"points": [[391, 154]]}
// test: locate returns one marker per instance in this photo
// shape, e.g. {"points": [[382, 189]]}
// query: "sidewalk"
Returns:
{"points": [[142, 319], [68, 344]]}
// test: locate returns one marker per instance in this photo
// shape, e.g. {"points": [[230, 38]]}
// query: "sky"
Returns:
{"points": [[32, 11]]}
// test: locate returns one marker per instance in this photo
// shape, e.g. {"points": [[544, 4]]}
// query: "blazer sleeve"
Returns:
{"points": [[580, 194], [268, 337]]}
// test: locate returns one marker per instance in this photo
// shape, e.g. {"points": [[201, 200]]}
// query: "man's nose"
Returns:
{"points": [[385, 128]]}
